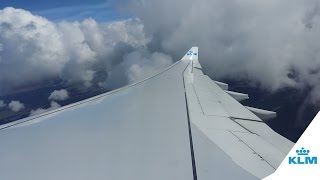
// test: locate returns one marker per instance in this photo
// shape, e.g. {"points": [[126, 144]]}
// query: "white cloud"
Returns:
{"points": [[2, 104], [53, 105], [37, 49], [59, 95], [16, 106]]}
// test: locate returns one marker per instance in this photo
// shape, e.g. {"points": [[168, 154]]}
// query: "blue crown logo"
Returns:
{"points": [[189, 53], [302, 152]]}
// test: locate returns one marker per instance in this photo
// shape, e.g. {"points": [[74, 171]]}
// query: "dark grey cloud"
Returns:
{"points": [[265, 41], [312, 14], [271, 43]]}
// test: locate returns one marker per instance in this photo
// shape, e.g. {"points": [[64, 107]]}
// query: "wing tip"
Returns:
{"points": [[192, 54]]}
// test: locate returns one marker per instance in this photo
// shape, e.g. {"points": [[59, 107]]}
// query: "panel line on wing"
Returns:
{"points": [[244, 119], [242, 126], [262, 158], [194, 168], [197, 97]]}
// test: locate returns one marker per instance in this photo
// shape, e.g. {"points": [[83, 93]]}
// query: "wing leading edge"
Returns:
{"points": [[177, 124]]}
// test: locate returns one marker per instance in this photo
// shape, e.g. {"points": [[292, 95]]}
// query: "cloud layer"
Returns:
{"points": [[272, 44]]}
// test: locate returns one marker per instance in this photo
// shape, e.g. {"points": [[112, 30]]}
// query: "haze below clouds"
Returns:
{"points": [[272, 44]]}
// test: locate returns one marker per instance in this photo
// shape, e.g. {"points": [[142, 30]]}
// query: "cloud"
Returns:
{"points": [[143, 65], [53, 105], [272, 43], [16, 106], [2, 104], [59, 95], [83, 52], [137, 66]]}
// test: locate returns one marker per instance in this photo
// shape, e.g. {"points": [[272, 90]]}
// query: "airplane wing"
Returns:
{"points": [[177, 124]]}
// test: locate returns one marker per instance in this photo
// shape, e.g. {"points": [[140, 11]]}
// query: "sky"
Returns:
{"points": [[68, 10], [270, 45]]}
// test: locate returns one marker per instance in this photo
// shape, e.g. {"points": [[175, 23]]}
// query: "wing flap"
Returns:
{"points": [[264, 149], [239, 152], [267, 133]]}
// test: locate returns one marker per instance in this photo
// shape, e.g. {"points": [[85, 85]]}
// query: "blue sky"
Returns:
{"points": [[68, 10]]}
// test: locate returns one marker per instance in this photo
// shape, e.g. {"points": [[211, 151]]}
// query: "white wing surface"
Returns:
{"points": [[177, 124]]}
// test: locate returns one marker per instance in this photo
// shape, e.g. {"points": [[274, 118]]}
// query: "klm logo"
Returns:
{"points": [[189, 53], [303, 157]]}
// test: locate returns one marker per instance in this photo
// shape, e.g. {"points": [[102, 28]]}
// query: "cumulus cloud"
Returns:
{"points": [[53, 105], [84, 52], [2, 104], [59, 95], [16, 106]]}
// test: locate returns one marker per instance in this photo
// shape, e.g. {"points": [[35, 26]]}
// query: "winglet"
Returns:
{"points": [[192, 54]]}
